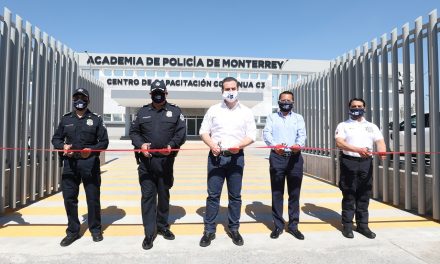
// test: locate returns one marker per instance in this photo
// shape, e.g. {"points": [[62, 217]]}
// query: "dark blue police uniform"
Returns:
{"points": [[161, 127], [88, 131]]}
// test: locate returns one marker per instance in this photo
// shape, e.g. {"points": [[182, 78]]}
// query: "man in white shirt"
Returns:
{"points": [[355, 137], [227, 128]]}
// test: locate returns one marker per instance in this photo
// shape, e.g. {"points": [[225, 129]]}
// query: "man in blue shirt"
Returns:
{"points": [[285, 131]]}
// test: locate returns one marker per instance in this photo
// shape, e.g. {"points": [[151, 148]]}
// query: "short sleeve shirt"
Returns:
{"points": [[361, 134]]}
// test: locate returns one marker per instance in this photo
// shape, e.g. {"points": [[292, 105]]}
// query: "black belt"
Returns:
{"points": [[354, 158], [227, 153], [286, 154]]}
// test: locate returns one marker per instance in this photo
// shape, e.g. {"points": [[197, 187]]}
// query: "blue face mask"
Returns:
{"points": [[356, 113], [285, 107], [80, 104]]}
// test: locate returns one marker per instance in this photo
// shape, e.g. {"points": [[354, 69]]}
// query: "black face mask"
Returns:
{"points": [[285, 107], [356, 113], [80, 104], [158, 97]]}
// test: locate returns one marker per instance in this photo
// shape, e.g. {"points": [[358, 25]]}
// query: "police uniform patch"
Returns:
{"points": [[169, 114], [182, 117], [89, 122], [369, 129]]}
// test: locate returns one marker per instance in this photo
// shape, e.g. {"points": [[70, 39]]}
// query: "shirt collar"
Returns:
{"points": [[281, 113], [352, 120], [237, 105]]}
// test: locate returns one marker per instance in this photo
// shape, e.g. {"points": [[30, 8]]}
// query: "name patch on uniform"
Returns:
{"points": [[144, 117], [89, 122], [369, 129], [68, 125], [182, 117], [169, 114]]}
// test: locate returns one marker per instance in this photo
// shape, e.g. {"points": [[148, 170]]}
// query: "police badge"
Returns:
{"points": [[89, 122], [169, 114]]}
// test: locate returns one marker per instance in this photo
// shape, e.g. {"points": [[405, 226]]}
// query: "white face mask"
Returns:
{"points": [[230, 96]]}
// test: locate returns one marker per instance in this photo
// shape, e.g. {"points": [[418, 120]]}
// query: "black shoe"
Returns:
{"points": [[276, 233], [97, 237], [236, 238], [206, 239], [366, 232], [166, 233], [296, 233], [148, 242], [347, 232], [69, 239]]}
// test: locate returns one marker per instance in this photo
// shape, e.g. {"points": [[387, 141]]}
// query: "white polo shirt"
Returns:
{"points": [[229, 126], [361, 134]]}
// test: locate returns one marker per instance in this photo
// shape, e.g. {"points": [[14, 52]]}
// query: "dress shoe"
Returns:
{"points": [[69, 239], [296, 233], [276, 233], [236, 238], [206, 239], [166, 233], [347, 232], [97, 237], [148, 242], [366, 232]]}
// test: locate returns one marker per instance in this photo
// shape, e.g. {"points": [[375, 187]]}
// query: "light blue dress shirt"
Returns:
{"points": [[289, 129]]}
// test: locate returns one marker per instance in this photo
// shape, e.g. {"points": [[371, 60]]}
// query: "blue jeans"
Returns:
{"points": [[219, 169]]}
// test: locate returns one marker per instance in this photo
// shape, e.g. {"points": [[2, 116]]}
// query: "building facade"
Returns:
{"points": [[193, 83]]}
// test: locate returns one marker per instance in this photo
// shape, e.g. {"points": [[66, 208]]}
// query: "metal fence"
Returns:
{"points": [[398, 77], [37, 77]]}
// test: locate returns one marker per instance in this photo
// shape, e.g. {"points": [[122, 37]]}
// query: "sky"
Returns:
{"points": [[303, 29]]}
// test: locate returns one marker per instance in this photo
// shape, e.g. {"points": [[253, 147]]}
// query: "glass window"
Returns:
{"points": [[254, 76], [174, 74], [107, 117], [199, 124], [198, 74], [187, 74], [150, 73], [263, 76], [128, 73], [118, 73], [244, 75], [293, 78], [160, 74], [284, 78], [232, 74], [191, 126], [96, 74], [222, 75], [275, 93], [108, 72], [263, 119], [212, 75], [274, 80], [140, 73], [117, 117]]}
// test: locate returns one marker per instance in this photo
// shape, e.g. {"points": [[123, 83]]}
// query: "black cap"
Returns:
{"points": [[158, 85], [81, 91]]}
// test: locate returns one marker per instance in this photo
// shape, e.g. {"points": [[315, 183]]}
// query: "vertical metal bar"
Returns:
{"points": [[43, 117], [321, 114], [359, 67], [385, 115], [58, 107], [351, 76], [375, 109], [396, 126], [327, 112], [434, 112], [25, 114], [50, 125], [15, 96], [366, 94], [4, 95], [420, 110], [35, 113], [332, 116], [407, 114], [343, 86], [339, 91]]}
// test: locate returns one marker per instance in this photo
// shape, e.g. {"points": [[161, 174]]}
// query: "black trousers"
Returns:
{"points": [[356, 184], [88, 172], [284, 169], [156, 180]]}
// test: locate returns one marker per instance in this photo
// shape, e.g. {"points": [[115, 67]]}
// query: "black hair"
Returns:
{"points": [[285, 92], [356, 99], [230, 79]]}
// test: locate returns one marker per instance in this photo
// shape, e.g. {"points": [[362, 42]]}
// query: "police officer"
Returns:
{"points": [[158, 126], [355, 137], [78, 133], [286, 132]]}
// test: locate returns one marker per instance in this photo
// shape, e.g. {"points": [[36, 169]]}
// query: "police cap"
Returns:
{"points": [[158, 85], [81, 91]]}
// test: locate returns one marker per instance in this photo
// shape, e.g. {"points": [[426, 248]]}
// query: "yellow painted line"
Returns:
{"points": [[197, 228]]}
